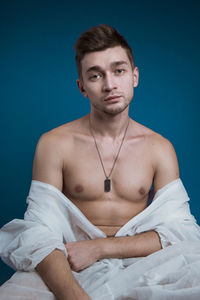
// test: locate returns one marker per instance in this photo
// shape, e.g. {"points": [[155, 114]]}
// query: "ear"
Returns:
{"points": [[81, 88], [135, 77]]}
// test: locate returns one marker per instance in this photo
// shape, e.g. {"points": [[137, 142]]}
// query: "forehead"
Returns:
{"points": [[104, 58]]}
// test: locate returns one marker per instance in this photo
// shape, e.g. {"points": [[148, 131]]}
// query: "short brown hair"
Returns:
{"points": [[99, 38]]}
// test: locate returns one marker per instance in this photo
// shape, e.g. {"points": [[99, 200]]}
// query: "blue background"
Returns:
{"points": [[38, 89]]}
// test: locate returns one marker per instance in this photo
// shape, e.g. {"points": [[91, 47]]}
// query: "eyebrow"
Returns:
{"points": [[113, 64]]}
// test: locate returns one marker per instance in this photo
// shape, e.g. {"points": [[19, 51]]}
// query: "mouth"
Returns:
{"points": [[111, 99]]}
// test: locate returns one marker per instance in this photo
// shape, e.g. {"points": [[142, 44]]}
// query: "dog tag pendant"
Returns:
{"points": [[107, 184]]}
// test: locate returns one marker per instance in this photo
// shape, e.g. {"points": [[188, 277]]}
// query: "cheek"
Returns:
{"points": [[92, 90], [128, 85]]}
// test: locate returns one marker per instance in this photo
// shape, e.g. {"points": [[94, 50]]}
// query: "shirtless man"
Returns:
{"points": [[68, 158]]}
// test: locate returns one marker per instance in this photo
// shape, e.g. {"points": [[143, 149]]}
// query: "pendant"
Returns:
{"points": [[107, 185]]}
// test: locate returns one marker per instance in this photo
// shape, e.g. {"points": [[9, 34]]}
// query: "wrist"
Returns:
{"points": [[105, 246], [101, 248], [111, 247]]}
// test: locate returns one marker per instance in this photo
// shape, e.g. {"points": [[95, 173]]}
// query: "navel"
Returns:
{"points": [[79, 188]]}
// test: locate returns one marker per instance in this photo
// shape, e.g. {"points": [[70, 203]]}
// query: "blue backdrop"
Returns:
{"points": [[38, 89]]}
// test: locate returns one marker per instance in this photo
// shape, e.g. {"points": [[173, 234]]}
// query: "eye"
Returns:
{"points": [[119, 71], [94, 77]]}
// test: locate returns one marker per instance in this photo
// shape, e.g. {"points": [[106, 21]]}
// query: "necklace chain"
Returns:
{"points": [[99, 151]]}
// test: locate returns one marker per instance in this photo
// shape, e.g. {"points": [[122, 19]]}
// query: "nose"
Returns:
{"points": [[109, 83]]}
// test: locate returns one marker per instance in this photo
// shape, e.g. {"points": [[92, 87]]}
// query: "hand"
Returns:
{"points": [[82, 254]]}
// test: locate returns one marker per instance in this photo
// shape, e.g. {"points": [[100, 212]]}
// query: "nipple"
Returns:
{"points": [[79, 188], [142, 191]]}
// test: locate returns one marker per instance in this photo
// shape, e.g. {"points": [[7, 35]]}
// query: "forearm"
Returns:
{"points": [[138, 245], [56, 273]]}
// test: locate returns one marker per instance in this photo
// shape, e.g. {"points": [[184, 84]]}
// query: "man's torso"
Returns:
{"points": [[83, 175]]}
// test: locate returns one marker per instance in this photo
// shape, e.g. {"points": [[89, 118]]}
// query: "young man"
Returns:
{"points": [[77, 158], [104, 162]]}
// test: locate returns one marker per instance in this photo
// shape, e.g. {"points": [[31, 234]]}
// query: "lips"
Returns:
{"points": [[112, 98]]}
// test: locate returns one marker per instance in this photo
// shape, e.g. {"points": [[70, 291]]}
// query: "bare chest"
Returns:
{"points": [[131, 177]]}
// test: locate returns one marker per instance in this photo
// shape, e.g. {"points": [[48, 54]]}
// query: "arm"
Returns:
{"points": [[139, 245], [165, 162], [84, 253], [56, 273], [54, 269]]}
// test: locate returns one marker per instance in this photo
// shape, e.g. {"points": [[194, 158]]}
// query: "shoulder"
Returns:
{"points": [[62, 137], [159, 145], [161, 149], [154, 141], [163, 156], [53, 149], [165, 162]]}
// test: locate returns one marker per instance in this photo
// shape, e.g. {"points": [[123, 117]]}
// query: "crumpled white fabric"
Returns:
{"points": [[51, 220]]}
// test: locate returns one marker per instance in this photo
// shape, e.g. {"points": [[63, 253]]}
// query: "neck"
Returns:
{"points": [[109, 126]]}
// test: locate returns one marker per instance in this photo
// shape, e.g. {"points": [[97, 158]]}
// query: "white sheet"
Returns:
{"points": [[52, 220]]}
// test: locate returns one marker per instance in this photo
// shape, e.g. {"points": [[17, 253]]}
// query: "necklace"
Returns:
{"points": [[107, 181]]}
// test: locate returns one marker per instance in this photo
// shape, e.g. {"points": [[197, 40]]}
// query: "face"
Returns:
{"points": [[108, 80]]}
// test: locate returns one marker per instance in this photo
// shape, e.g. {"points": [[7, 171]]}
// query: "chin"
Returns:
{"points": [[116, 110]]}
